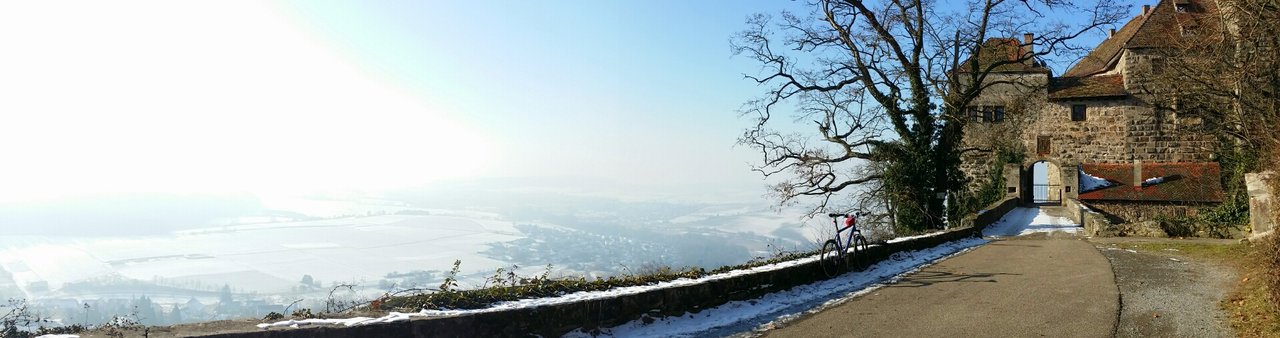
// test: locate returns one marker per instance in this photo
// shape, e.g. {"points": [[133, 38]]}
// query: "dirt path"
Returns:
{"points": [[1008, 288], [1164, 294]]}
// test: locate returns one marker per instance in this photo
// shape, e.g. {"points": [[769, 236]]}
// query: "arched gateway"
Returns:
{"points": [[1046, 182]]}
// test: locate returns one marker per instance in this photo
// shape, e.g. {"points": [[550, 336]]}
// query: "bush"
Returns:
{"points": [[1270, 258]]}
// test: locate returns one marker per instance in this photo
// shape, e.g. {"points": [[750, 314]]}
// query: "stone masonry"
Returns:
{"points": [[1120, 121]]}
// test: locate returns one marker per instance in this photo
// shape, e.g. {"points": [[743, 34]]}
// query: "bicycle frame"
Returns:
{"points": [[848, 240]]}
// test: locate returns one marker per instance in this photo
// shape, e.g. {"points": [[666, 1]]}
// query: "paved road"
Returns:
{"points": [[1019, 287]]}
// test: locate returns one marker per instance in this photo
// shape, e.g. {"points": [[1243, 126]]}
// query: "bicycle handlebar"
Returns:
{"points": [[837, 215]]}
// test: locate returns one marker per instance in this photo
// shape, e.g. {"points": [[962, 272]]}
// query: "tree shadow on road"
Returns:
{"points": [[926, 278]]}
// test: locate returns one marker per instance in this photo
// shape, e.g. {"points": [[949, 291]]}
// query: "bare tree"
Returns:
{"points": [[1225, 68], [888, 81]]}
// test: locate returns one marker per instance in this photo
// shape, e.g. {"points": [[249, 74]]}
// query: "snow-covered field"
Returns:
{"points": [[267, 258]]}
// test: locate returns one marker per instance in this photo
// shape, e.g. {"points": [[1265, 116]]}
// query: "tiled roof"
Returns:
{"points": [[1163, 27], [1062, 88], [1004, 50], [1183, 182], [1101, 57]]}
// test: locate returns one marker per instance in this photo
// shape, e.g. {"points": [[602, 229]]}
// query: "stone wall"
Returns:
{"points": [[1011, 89], [1097, 224], [990, 214], [1116, 131], [1127, 211], [1019, 97], [1113, 131]]}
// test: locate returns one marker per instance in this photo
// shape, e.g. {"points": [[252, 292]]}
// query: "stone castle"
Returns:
{"points": [[1096, 135]]}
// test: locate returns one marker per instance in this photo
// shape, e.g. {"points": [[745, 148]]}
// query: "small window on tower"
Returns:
{"points": [[998, 114], [1182, 6], [1077, 112]]}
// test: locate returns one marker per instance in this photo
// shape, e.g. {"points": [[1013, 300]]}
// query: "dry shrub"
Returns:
{"points": [[1270, 246], [1269, 249]]}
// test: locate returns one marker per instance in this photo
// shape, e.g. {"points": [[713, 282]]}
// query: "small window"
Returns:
{"points": [[1182, 8], [1077, 112], [985, 113], [975, 115]]}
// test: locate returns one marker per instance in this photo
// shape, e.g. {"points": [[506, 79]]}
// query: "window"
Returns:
{"points": [[985, 113], [1077, 112]]}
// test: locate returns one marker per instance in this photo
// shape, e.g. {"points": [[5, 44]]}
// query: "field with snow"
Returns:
{"points": [[385, 246], [266, 258]]}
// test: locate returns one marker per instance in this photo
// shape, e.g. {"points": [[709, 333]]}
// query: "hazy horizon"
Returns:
{"points": [[303, 97]]}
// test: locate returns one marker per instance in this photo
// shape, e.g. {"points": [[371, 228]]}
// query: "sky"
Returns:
{"points": [[159, 96], [296, 96]]}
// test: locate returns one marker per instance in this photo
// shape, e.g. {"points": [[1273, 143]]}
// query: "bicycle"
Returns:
{"points": [[835, 253]]}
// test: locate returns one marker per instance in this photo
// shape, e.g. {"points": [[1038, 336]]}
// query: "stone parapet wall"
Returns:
{"points": [[1131, 212]]}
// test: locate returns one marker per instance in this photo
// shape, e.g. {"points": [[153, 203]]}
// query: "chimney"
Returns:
{"points": [[1028, 40], [1146, 9], [1137, 173], [1111, 33]]}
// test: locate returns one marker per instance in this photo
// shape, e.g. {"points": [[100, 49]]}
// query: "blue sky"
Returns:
{"points": [[646, 89], [291, 96]]}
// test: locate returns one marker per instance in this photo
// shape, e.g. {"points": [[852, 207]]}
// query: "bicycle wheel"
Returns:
{"points": [[859, 260], [831, 258]]}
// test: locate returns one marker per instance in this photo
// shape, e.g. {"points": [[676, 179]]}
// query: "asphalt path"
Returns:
{"points": [[1042, 286]]}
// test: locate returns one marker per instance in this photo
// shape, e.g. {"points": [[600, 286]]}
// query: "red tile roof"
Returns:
{"points": [[1063, 88], [1183, 182]]}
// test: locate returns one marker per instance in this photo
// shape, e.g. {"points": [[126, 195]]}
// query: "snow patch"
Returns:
{"points": [[907, 238], [356, 321], [780, 307], [1022, 221], [1089, 182]]}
